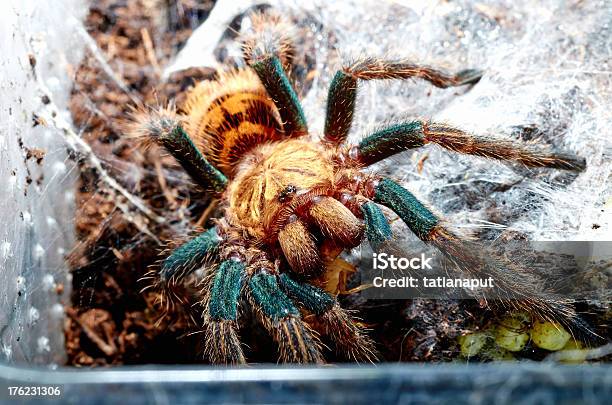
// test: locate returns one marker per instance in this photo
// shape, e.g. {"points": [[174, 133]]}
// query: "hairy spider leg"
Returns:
{"points": [[221, 314], [175, 140], [265, 51], [270, 34], [343, 88], [190, 256], [377, 227], [419, 218], [413, 134], [345, 333], [297, 343], [277, 84], [515, 287]]}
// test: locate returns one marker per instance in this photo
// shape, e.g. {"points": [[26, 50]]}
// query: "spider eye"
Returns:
{"points": [[287, 193]]}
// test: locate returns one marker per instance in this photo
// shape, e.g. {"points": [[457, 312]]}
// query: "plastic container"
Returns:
{"points": [[36, 230]]}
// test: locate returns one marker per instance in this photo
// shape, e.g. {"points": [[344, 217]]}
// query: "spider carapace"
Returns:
{"points": [[292, 202]]}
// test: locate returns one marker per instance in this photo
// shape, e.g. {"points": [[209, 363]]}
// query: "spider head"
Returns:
{"points": [[272, 176]]}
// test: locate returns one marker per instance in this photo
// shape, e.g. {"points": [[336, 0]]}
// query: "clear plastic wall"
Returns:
{"points": [[40, 47]]}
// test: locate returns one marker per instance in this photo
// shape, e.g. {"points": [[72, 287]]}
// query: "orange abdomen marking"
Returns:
{"points": [[229, 116]]}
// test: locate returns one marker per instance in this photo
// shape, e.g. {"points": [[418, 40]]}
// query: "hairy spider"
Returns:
{"points": [[292, 203]]}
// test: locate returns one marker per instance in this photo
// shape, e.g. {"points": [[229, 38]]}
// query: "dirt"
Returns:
{"points": [[110, 320]]}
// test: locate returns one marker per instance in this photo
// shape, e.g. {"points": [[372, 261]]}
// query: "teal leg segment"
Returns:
{"points": [[413, 134], [275, 80], [270, 298], [312, 298], [223, 304], [343, 88], [378, 230], [340, 107], [349, 338], [189, 256], [418, 218], [389, 141], [296, 343], [179, 144]]}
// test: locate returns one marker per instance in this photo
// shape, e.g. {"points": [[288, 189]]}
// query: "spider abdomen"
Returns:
{"points": [[229, 116]]}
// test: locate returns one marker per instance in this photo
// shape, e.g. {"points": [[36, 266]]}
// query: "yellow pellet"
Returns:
{"points": [[511, 335], [472, 343], [549, 335]]}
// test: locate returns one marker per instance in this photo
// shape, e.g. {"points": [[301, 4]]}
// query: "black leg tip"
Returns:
{"points": [[575, 163], [468, 76], [581, 164]]}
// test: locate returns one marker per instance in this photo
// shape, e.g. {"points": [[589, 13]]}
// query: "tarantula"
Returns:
{"points": [[292, 203]]}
